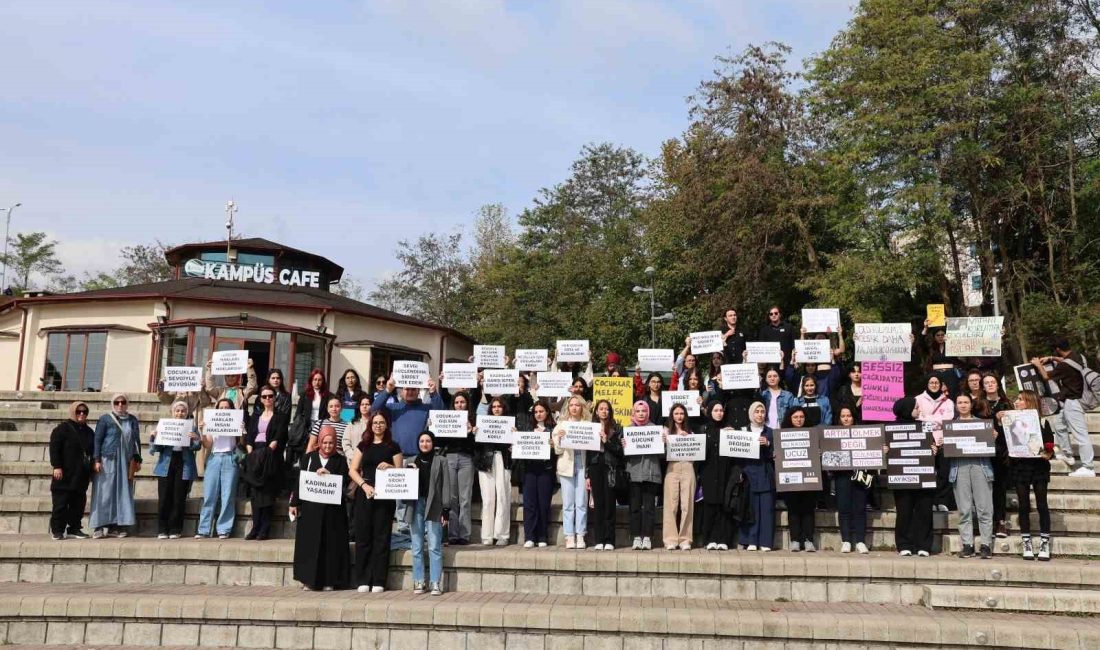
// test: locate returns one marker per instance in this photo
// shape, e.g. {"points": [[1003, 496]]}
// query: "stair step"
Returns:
{"points": [[1016, 599]]}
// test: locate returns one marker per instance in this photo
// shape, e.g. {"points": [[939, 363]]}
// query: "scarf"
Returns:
{"points": [[74, 406], [633, 414]]}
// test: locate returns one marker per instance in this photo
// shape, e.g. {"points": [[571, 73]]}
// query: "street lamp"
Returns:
{"points": [[7, 234], [649, 271]]}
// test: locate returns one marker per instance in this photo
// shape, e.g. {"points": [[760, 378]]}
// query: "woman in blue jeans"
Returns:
{"points": [[219, 483], [570, 468], [430, 514]]}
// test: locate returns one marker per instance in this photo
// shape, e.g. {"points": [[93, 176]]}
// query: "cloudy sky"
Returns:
{"points": [[339, 127]]}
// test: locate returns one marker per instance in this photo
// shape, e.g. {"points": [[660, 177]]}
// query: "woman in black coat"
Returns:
{"points": [[321, 557], [71, 459], [265, 439], [714, 473]]}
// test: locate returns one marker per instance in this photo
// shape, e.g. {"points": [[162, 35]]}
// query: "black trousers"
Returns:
{"points": [[1023, 491], [717, 525], [945, 492], [603, 498], [800, 515], [173, 491], [851, 506], [643, 508], [1001, 473], [261, 518], [913, 527], [373, 524], [68, 508]]}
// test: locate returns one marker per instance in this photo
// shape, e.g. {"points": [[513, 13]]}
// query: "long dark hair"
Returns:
{"points": [[545, 404], [368, 435], [670, 423], [343, 389], [503, 405], [282, 381], [650, 378], [608, 426], [358, 413]]}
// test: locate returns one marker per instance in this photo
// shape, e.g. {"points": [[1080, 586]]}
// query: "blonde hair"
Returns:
{"points": [[586, 413]]}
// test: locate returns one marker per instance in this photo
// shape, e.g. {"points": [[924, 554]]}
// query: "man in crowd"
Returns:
{"points": [[1070, 426]]}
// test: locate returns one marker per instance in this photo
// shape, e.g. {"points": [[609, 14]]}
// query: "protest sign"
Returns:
{"points": [[642, 441], [910, 464], [495, 429], [532, 360], [689, 398], [397, 484], [813, 351], [797, 460], [883, 384], [706, 342], [531, 445], [321, 488], [182, 379], [883, 342], [489, 356], [763, 352], [656, 360], [737, 376], [460, 375], [173, 432], [690, 447], [222, 422], [937, 316], [229, 362], [821, 320], [1024, 433], [738, 443], [617, 390], [571, 351], [851, 448], [448, 424], [554, 384], [410, 374], [974, 336], [968, 439], [500, 381], [580, 435]]}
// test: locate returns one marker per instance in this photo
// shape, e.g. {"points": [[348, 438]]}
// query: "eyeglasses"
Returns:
{"points": [[120, 402], [81, 411], [379, 382], [378, 424], [774, 313], [267, 396]]}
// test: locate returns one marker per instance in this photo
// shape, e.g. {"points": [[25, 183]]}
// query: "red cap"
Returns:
{"points": [[612, 358]]}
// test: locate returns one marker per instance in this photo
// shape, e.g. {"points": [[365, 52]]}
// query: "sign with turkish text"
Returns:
{"points": [[883, 384], [797, 460], [321, 488], [185, 379], [883, 342], [643, 441]]}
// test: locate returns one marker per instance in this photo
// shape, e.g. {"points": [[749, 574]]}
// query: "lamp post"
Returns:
{"points": [[7, 234], [653, 318]]}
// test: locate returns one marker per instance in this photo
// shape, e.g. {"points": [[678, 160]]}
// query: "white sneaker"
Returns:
{"points": [[174, 536], [598, 547], [1065, 458], [637, 545], [750, 547], [862, 548], [810, 548], [647, 544], [609, 547], [795, 547], [712, 547], [363, 589], [685, 546], [580, 542], [528, 544], [542, 544], [377, 590], [942, 508], [569, 543], [1028, 550], [905, 553], [162, 535], [846, 547], [1044, 549], [1083, 472], [922, 554], [670, 547], [765, 549], [723, 547]]}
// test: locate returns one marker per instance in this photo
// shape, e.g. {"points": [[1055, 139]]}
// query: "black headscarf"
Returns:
{"points": [[903, 409]]}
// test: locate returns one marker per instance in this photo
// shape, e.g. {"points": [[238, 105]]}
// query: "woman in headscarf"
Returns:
{"points": [[321, 559], [759, 533], [913, 525], [373, 517], [935, 405], [714, 473], [264, 440], [430, 514], [175, 470], [117, 454], [71, 444], [645, 484]]}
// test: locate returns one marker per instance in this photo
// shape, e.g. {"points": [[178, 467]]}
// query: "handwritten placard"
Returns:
{"points": [[183, 379], [689, 398], [974, 336], [400, 484], [738, 443], [554, 384], [174, 432], [532, 360], [495, 429], [883, 342], [707, 342], [813, 351], [229, 362], [738, 376], [580, 435], [883, 384], [937, 316], [643, 441], [575, 351], [617, 390], [410, 374], [821, 320], [489, 356], [692, 447], [321, 488], [763, 352], [459, 375], [448, 424], [531, 445], [222, 422], [500, 382], [655, 359]]}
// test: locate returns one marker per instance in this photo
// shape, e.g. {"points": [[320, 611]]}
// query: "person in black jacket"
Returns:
{"points": [[459, 455], [71, 459], [714, 474], [605, 466], [265, 439], [775, 330], [350, 392], [733, 339], [321, 557]]}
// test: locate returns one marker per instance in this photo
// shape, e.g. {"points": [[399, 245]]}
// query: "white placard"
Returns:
{"points": [[532, 360], [173, 432], [706, 342], [763, 352], [459, 375], [531, 445], [489, 356], [572, 351], [397, 484], [643, 441], [975, 336], [183, 379], [689, 398], [883, 342], [581, 435], [554, 384], [495, 429], [656, 360], [222, 422], [448, 424], [821, 320], [737, 443], [410, 374], [813, 351], [690, 447], [321, 488], [500, 382], [737, 376], [229, 362]]}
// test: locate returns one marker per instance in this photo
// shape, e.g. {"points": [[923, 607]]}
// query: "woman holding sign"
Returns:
{"points": [[321, 559], [972, 479], [1033, 474], [570, 468], [851, 496], [265, 439], [645, 484], [494, 473], [604, 471], [232, 390], [459, 456], [800, 505], [538, 483], [175, 470], [759, 533], [373, 517], [997, 402], [430, 514], [219, 482], [117, 454], [935, 405], [714, 474], [679, 488]]}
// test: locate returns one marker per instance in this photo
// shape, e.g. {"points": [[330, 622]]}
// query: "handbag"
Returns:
{"points": [[864, 478]]}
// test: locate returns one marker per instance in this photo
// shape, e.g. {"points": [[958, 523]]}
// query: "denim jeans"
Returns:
{"points": [[435, 544], [403, 515], [219, 483], [574, 498], [1071, 427]]}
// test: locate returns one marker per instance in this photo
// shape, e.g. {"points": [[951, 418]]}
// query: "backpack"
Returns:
{"points": [[1090, 393]]}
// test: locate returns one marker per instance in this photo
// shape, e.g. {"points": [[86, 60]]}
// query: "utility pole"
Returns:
{"points": [[230, 210], [7, 235]]}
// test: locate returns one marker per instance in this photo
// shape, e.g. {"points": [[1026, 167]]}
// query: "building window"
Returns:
{"points": [[174, 346], [381, 361], [309, 353], [74, 361], [976, 282], [242, 258]]}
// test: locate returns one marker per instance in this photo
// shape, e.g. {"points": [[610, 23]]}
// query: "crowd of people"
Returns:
{"points": [[720, 503]]}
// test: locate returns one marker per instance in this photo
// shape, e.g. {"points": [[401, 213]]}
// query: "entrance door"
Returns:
{"points": [[258, 351]]}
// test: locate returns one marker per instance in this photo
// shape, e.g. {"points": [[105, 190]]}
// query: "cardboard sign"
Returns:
{"points": [[531, 445], [910, 464], [617, 390], [448, 424], [554, 384], [183, 379], [495, 429], [489, 356], [321, 488], [656, 360], [738, 376], [851, 448], [883, 342], [968, 439], [974, 336], [643, 441], [1028, 378], [937, 316], [821, 320], [532, 360], [581, 435], [813, 351], [229, 362], [1023, 433], [397, 484], [690, 447], [763, 352], [883, 384], [410, 374], [571, 352], [222, 422], [172, 432], [797, 460], [689, 398], [738, 443], [459, 375], [706, 342], [500, 382]]}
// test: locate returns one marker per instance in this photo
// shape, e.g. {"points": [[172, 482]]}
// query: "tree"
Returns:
{"points": [[492, 235], [349, 287], [432, 282], [31, 253]]}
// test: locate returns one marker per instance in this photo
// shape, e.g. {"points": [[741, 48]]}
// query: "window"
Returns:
{"points": [[976, 282], [242, 258], [381, 361], [174, 346], [74, 361], [201, 352], [309, 353]]}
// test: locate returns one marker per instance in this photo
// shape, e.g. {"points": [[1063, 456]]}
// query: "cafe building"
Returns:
{"points": [[253, 294]]}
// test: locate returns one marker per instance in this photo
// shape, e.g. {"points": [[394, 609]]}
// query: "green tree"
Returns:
{"points": [[31, 253]]}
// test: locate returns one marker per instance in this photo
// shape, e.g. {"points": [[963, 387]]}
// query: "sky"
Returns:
{"points": [[340, 127]]}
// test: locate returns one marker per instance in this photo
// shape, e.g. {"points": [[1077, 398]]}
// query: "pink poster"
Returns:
{"points": [[883, 384]]}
